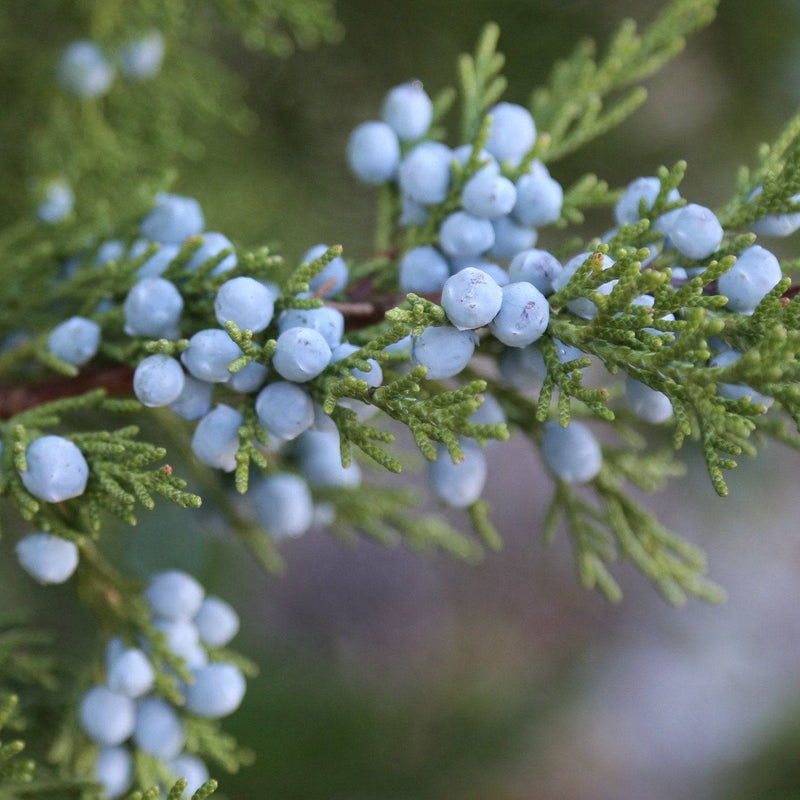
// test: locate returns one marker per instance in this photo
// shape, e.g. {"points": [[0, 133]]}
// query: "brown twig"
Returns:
{"points": [[361, 310], [115, 379]]}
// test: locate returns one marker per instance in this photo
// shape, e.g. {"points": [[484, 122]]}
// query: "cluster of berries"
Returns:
{"points": [[503, 198], [499, 215], [127, 707], [56, 471], [308, 340], [84, 70], [490, 274]]}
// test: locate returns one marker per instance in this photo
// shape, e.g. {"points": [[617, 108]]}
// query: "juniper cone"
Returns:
{"points": [[143, 354]]}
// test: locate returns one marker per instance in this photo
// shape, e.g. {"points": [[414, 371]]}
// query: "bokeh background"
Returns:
{"points": [[387, 676]]}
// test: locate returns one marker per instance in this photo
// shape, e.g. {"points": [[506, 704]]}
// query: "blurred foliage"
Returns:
{"points": [[772, 772], [325, 738]]}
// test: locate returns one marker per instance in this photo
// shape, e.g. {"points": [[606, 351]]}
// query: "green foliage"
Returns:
{"points": [[569, 110], [118, 151], [12, 768]]}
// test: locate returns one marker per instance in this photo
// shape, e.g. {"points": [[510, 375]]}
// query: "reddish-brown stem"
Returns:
{"points": [[361, 310], [114, 378]]}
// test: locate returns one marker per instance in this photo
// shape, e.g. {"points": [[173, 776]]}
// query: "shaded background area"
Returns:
{"points": [[385, 675]]}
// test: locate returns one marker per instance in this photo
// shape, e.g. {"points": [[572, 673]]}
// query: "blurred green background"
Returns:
{"points": [[386, 676]]}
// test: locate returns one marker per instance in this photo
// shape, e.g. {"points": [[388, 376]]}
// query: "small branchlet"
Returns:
{"points": [[570, 108], [383, 517]]}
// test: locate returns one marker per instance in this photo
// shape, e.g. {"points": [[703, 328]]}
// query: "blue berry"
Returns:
{"points": [[245, 302], [334, 276], [159, 730], [84, 70], [213, 244], [327, 321], [194, 401], [209, 353], [113, 770], [112, 250], [75, 341], [572, 453], [47, 558], [488, 194], [322, 422], [153, 309], [216, 438], [424, 173], [141, 59], [107, 717], [665, 223], [57, 202], [539, 197], [273, 289], [444, 350], [775, 224], [494, 271], [131, 674], [582, 306], [512, 133], [679, 276], [400, 346], [458, 485], [56, 470], [648, 301], [411, 212], [649, 404], [408, 110], [174, 595], [755, 273], [696, 232], [115, 647], [156, 265], [471, 299], [523, 367], [490, 412], [537, 267], [373, 376], [320, 458], [284, 409], [283, 504], [627, 209], [510, 238], [373, 153], [192, 769], [183, 640], [216, 621], [523, 317], [423, 270], [464, 235], [158, 381], [463, 154], [248, 379], [217, 690], [172, 219], [301, 354]]}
